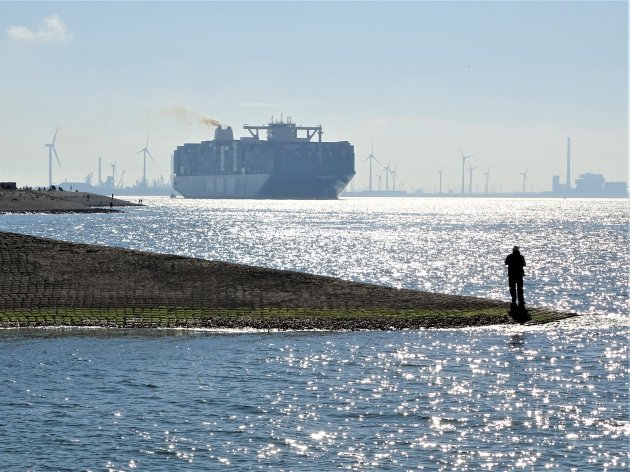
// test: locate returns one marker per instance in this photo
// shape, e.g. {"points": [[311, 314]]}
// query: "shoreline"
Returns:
{"points": [[45, 282], [57, 202]]}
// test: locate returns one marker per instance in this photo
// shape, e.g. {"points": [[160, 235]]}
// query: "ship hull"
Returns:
{"points": [[285, 166], [256, 186]]}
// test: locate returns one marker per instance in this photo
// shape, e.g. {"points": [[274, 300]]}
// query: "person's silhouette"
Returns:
{"points": [[515, 263]]}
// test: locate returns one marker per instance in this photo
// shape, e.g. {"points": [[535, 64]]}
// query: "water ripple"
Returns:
{"points": [[439, 399]]}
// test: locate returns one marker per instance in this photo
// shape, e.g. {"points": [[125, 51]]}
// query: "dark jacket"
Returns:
{"points": [[515, 263]]}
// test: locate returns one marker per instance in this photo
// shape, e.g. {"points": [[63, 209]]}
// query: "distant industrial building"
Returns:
{"points": [[590, 185]]}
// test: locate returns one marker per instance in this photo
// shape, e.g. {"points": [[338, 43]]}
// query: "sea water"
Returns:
{"points": [[500, 398]]}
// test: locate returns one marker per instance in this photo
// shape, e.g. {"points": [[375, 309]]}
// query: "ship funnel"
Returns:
{"points": [[223, 134]]}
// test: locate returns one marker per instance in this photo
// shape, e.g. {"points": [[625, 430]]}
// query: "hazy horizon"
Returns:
{"points": [[505, 81]]}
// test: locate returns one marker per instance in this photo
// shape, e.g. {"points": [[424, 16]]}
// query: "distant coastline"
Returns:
{"points": [[383, 193], [13, 200]]}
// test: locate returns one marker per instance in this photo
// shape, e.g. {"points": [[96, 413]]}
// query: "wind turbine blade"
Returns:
{"points": [[56, 156], [150, 155], [147, 144], [55, 136], [141, 150]]}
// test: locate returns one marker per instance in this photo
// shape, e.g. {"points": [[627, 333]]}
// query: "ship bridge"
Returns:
{"points": [[285, 131]]}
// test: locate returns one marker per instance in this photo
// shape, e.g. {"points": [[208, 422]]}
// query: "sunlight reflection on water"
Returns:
{"points": [[576, 249], [477, 399], [503, 398]]}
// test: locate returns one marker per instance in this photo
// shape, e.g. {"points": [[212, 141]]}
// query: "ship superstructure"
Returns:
{"points": [[289, 164]]}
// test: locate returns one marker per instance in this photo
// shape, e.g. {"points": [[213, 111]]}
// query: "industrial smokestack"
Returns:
{"points": [[568, 164], [99, 170]]}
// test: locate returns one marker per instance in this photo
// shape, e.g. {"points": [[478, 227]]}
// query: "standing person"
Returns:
{"points": [[515, 263]]}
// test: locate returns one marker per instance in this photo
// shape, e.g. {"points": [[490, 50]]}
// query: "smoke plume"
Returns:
{"points": [[190, 117]]}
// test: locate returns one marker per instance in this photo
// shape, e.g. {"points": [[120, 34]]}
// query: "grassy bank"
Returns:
{"points": [[263, 318]]}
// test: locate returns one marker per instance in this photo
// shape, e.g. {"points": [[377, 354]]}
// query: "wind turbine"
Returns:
{"points": [[113, 174], [394, 175], [470, 169], [372, 158], [440, 172], [380, 179], [524, 174], [487, 174], [387, 171], [464, 157], [51, 150], [120, 181], [145, 151]]}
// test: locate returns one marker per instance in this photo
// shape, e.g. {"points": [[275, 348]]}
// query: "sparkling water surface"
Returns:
{"points": [[501, 398], [576, 250], [494, 399]]}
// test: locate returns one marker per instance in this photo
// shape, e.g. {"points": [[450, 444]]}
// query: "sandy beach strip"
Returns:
{"points": [[44, 282]]}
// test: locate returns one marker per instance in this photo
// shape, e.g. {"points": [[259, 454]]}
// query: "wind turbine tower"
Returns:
{"points": [[524, 174], [470, 169], [440, 172], [387, 171], [380, 179], [568, 165], [371, 158], [394, 175], [113, 174], [487, 174], [100, 163], [145, 151], [464, 167], [120, 180], [51, 150]]}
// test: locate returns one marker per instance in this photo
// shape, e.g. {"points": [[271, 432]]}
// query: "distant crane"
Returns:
{"points": [[372, 158], [51, 150], [145, 151], [440, 173], [524, 174], [470, 169], [464, 158], [487, 174]]}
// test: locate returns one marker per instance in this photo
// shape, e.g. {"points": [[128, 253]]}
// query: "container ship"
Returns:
{"points": [[292, 163]]}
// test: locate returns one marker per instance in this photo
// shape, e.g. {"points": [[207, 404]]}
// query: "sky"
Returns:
{"points": [[417, 82]]}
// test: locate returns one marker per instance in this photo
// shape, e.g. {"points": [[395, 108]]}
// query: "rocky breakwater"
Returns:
{"points": [[47, 282]]}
